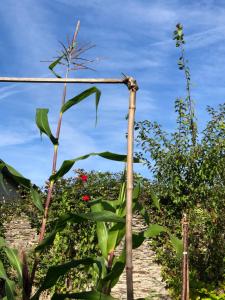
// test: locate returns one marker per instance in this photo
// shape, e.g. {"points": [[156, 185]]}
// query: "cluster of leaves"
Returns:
{"points": [[189, 176]]}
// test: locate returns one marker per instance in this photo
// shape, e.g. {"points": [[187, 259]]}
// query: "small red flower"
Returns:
{"points": [[84, 178], [86, 198]]}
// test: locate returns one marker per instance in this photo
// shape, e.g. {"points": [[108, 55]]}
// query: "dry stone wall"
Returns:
{"points": [[146, 272], [147, 280]]}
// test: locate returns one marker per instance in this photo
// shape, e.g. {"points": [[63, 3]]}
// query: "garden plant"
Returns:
{"points": [[188, 170], [18, 274]]}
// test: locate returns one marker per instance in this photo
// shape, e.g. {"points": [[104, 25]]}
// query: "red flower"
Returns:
{"points": [[86, 198], [83, 178]]}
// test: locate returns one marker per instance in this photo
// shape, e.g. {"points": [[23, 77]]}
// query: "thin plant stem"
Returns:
{"points": [[54, 161], [55, 155]]}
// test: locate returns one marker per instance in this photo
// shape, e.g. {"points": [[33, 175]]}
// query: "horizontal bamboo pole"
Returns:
{"points": [[65, 80]]}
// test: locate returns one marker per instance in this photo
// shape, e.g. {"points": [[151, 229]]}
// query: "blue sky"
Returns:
{"points": [[133, 37]]}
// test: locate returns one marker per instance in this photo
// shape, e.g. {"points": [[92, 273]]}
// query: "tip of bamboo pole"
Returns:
{"points": [[131, 83]]}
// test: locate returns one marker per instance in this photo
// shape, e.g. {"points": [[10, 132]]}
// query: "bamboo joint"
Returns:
{"points": [[131, 83]]}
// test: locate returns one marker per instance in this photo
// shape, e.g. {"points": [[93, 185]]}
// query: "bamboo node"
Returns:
{"points": [[131, 83]]}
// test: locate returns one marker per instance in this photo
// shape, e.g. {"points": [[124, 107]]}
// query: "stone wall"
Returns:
{"points": [[146, 272], [147, 279]]}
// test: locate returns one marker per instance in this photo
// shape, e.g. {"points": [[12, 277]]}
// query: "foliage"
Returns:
{"points": [[189, 176]]}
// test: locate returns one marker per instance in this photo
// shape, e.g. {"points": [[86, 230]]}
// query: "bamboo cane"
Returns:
{"points": [[185, 266], [132, 86], [64, 80]]}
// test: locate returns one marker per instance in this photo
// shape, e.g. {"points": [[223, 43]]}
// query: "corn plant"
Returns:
{"points": [[108, 215]]}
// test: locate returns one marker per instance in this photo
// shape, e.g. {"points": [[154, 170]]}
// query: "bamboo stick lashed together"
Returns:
{"points": [[132, 86]]}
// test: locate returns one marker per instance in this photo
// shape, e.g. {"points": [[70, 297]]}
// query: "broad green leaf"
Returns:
{"points": [[36, 198], [138, 239], [106, 205], [103, 216], [116, 234], [155, 200], [68, 164], [3, 274], [10, 289], [177, 245], [153, 230], [54, 64], [2, 242], [15, 174], [113, 276], [82, 96], [55, 272], [92, 295], [43, 125], [12, 255], [101, 230]]}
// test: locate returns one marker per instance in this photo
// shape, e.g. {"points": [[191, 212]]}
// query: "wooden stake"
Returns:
{"points": [[185, 266], [132, 86]]}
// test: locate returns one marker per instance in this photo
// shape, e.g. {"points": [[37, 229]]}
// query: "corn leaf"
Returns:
{"points": [[82, 96], [15, 174], [103, 216], [68, 164], [43, 125], [54, 64], [3, 274], [92, 295], [15, 262], [55, 272], [101, 230], [10, 289]]}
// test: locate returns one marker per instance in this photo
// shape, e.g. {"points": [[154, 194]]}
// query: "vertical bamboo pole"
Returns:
{"points": [[132, 86], [185, 266]]}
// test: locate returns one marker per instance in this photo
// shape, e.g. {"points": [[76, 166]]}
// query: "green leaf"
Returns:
{"points": [[82, 96], [36, 198], [10, 289], [68, 164], [54, 64], [103, 216], [92, 295], [155, 200], [12, 255], [177, 245], [112, 278], [43, 125], [3, 274], [2, 242], [15, 174], [101, 230], [137, 239], [116, 234], [153, 230], [55, 272]]}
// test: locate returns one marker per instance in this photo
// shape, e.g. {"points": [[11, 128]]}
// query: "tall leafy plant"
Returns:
{"points": [[188, 175]]}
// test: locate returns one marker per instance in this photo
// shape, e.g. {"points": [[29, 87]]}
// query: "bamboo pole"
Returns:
{"points": [[132, 86], [185, 266], [65, 80]]}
